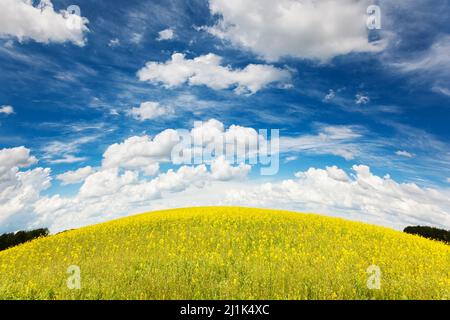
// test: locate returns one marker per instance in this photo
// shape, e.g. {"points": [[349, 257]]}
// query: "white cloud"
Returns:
{"points": [[330, 96], [431, 65], [290, 159], [110, 193], [113, 43], [303, 29], [223, 171], [405, 154], [19, 190], [335, 140], [442, 90], [9, 44], [15, 158], [67, 159], [21, 20], [207, 131], [105, 195], [208, 70], [212, 135], [6, 110], [448, 180], [176, 181], [436, 58], [106, 182], [166, 34], [77, 176], [363, 196], [361, 99], [334, 173], [150, 110], [61, 152], [141, 153], [136, 38], [118, 188]]}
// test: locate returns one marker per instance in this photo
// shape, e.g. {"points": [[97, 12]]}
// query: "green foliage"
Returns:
{"points": [[430, 233], [9, 240]]}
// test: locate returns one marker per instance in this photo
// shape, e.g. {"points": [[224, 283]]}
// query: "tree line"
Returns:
{"points": [[9, 240], [430, 233]]}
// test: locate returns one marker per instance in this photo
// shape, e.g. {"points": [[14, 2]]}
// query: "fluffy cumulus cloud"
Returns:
{"points": [[141, 152], [150, 110], [106, 182], [129, 178], [7, 110], [19, 190], [21, 20], [110, 193], [208, 70], [222, 170], [12, 159], [361, 196], [145, 153], [212, 135], [77, 176], [304, 29], [129, 181]]}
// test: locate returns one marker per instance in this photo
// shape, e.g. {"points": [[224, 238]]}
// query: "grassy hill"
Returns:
{"points": [[227, 253]]}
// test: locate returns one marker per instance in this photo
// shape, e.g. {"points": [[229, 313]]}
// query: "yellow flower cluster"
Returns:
{"points": [[227, 253]]}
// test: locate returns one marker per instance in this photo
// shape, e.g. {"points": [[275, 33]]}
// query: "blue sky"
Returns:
{"points": [[378, 98]]}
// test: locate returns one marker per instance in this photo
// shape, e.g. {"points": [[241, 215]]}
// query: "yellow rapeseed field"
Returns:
{"points": [[227, 253]]}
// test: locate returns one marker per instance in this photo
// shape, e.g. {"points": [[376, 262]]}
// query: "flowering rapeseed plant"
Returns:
{"points": [[227, 253]]}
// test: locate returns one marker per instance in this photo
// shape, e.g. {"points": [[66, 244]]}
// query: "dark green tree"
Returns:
{"points": [[430, 233], [9, 240]]}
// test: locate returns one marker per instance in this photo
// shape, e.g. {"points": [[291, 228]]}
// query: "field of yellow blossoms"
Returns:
{"points": [[227, 253]]}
